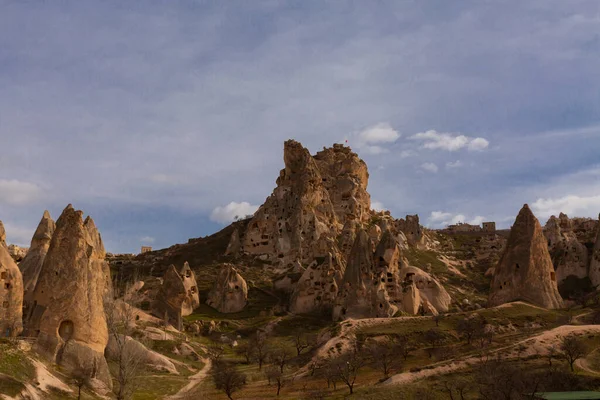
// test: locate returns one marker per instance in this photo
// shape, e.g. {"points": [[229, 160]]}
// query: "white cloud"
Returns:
{"points": [[429, 167], [370, 140], [453, 164], [377, 205], [572, 205], [16, 192], [478, 144], [407, 153], [447, 141], [227, 214], [441, 219], [147, 239]]}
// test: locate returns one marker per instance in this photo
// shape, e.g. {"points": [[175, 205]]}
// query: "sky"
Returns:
{"points": [[165, 120]]}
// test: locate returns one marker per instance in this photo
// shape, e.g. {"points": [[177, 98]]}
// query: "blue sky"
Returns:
{"points": [[162, 120]]}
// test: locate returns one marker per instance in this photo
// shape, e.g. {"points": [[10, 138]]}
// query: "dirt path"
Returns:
{"points": [[535, 345], [195, 380]]}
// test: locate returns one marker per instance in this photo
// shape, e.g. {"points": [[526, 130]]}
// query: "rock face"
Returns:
{"points": [[17, 252], [525, 271], [192, 300], [133, 348], [431, 297], [11, 295], [317, 289], [412, 229], [2, 235], [169, 301], [362, 294], [67, 312], [595, 262], [569, 256], [229, 294], [314, 198], [235, 245], [33, 261]]}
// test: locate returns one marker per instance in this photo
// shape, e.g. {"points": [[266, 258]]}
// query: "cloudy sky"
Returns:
{"points": [[163, 120]]}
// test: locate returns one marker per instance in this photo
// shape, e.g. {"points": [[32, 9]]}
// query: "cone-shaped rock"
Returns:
{"points": [[67, 313], [192, 300], [229, 294], [569, 256], [2, 235], [525, 271], [235, 245], [594, 273], [168, 304], [31, 265], [11, 295]]}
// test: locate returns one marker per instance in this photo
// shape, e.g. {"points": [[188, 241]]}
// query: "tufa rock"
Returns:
{"points": [[229, 294], [595, 262], [192, 300], [17, 253], [317, 289], [11, 295], [432, 295], [569, 256], [67, 313], [412, 230], [235, 245], [170, 299], [525, 271], [131, 348], [33, 261], [2, 235]]}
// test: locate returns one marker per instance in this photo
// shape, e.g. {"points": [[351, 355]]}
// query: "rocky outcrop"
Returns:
{"points": [[317, 289], [525, 271], [569, 256], [169, 301], [125, 346], [33, 261], [314, 199], [299, 213], [412, 229], [229, 294], [11, 295], [235, 244], [192, 300], [362, 294], [2, 235], [345, 176], [432, 296], [67, 312], [594, 273], [17, 253]]}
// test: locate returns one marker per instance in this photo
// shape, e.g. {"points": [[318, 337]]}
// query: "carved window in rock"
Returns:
{"points": [[188, 273], [5, 304], [3, 275], [553, 276], [66, 330], [193, 290], [7, 286]]}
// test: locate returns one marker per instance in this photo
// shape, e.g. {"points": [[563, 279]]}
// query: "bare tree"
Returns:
{"points": [[121, 322], [347, 368], [246, 351], [215, 352], [456, 389], [276, 376], [261, 349], [301, 341], [572, 348], [227, 379], [280, 358], [467, 328], [434, 337], [437, 319], [81, 378], [384, 355], [403, 345]]}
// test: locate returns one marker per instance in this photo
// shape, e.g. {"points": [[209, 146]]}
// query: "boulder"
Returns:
{"points": [[525, 271], [31, 265], [432, 294], [17, 253], [67, 311], [235, 244], [229, 293], [169, 301], [125, 346], [11, 295]]}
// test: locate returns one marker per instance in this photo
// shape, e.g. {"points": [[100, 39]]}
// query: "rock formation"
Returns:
{"points": [[17, 252], [192, 300], [525, 271], [169, 301], [569, 256], [235, 245], [317, 289], [594, 273], [2, 235], [314, 199], [421, 290], [129, 347], [412, 229], [11, 294], [362, 294], [33, 261], [229, 294], [67, 312]]}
